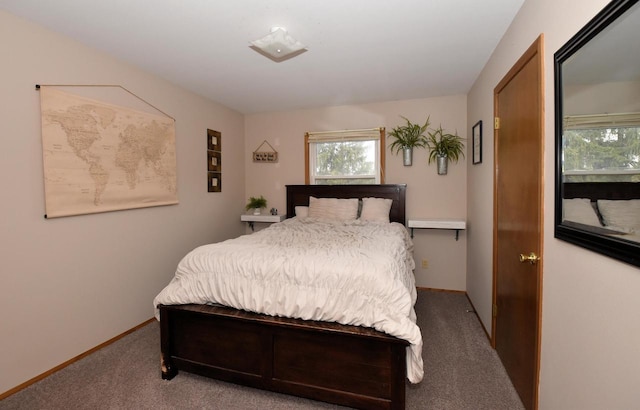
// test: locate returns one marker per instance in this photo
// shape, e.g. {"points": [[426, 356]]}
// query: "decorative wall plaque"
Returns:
{"points": [[265, 156]]}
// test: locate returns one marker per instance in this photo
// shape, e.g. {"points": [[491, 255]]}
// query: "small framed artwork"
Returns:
{"points": [[214, 161], [214, 140], [214, 181], [476, 140]]}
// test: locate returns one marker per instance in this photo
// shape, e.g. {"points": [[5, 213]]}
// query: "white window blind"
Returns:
{"points": [[618, 120]]}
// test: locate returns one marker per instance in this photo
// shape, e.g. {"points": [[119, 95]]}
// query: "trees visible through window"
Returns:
{"points": [[600, 152]]}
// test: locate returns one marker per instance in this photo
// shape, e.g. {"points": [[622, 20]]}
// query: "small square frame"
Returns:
{"points": [[214, 161], [214, 181], [476, 141], [214, 140]]}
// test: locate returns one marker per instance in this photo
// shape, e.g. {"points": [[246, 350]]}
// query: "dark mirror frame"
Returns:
{"points": [[625, 251]]}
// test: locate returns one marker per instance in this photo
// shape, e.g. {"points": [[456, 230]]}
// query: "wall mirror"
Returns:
{"points": [[597, 123]]}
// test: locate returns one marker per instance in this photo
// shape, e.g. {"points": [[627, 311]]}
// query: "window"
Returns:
{"points": [[345, 157], [602, 148]]}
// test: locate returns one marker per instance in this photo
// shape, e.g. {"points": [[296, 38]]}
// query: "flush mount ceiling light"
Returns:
{"points": [[278, 45]]}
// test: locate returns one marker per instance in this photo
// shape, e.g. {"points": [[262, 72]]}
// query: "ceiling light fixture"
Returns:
{"points": [[278, 45]]}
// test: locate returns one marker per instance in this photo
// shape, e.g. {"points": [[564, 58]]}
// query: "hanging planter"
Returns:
{"points": [[442, 147], [406, 138], [407, 156], [442, 162]]}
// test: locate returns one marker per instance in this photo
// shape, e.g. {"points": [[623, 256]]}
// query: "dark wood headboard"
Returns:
{"points": [[298, 195], [601, 190]]}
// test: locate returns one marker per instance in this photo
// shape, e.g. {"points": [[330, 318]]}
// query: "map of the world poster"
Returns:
{"points": [[100, 157]]}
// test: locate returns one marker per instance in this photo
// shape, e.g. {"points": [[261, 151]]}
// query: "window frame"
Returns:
{"points": [[369, 134]]}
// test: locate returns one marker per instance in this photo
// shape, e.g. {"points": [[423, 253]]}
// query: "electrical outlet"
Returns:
{"points": [[425, 264]]}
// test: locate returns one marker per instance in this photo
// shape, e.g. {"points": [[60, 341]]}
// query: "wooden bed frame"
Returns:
{"points": [[601, 190], [347, 365]]}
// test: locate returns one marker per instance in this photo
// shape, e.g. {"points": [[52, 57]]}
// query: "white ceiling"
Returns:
{"points": [[359, 51]]}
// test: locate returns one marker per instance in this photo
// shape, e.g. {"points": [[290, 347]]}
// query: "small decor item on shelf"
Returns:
{"points": [[407, 137], [256, 204], [274, 211], [444, 147]]}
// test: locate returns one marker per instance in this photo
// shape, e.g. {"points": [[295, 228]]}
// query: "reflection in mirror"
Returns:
{"points": [[598, 134]]}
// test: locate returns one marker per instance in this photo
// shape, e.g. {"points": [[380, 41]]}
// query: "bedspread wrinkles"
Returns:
{"points": [[350, 272]]}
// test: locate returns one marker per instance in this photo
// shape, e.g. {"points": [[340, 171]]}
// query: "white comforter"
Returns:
{"points": [[354, 273]]}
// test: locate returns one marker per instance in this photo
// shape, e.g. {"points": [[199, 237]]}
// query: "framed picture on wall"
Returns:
{"points": [[215, 161], [214, 140], [476, 140], [214, 181]]}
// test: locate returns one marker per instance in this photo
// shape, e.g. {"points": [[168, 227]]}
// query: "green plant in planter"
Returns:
{"points": [[443, 147], [256, 203], [407, 137]]}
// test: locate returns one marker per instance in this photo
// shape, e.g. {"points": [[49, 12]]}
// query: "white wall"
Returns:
{"points": [[70, 284], [612, 97], [590, 331], [428, 195]]}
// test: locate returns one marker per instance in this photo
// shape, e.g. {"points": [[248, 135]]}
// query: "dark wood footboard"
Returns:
{"points": [[347, 365]]}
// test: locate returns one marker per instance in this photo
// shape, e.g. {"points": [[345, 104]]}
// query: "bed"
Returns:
{"points": [[606, 208], [348, 361]]}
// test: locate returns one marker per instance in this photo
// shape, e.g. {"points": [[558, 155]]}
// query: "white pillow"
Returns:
{"points": [[302, 211], [580, 210], [622, 214], [333, 208], [376, 209]]}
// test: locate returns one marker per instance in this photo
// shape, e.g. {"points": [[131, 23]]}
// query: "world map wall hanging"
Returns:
{"points": [[101, 157]]}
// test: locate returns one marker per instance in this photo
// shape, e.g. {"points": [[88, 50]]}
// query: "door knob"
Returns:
{"points": [[532, 258]]}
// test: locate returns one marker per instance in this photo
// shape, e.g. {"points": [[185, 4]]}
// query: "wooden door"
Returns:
{"points": [[518, 104]]}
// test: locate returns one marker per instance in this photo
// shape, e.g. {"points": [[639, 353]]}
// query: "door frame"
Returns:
{"points": [[537, 48]]}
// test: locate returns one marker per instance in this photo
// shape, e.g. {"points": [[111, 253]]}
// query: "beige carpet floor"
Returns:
{"points": [[462, 371]]}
